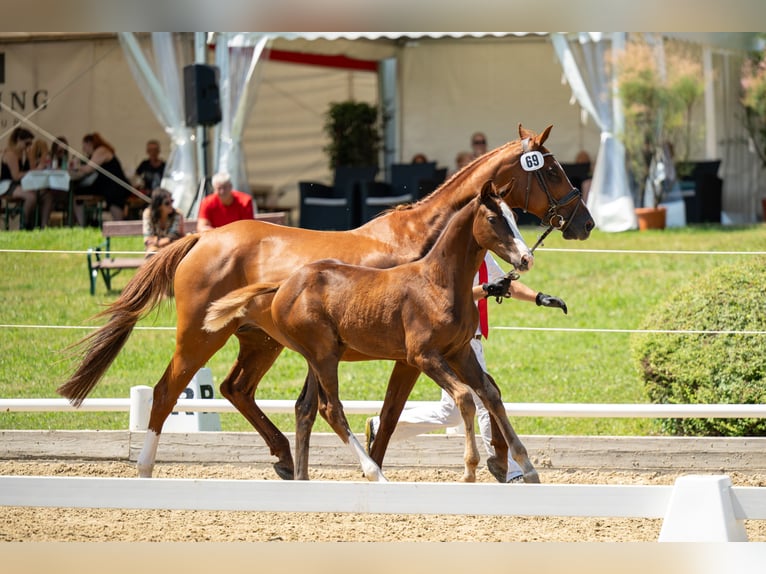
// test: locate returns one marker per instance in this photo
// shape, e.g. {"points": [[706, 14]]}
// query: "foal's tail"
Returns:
{"points": [[142, 294], [234, 305]]}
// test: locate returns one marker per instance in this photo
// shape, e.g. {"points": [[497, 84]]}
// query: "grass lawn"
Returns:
{"points": [[46, 307]]}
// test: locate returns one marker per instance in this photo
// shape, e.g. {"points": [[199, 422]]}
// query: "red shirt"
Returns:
{"points": [[219, 214]]}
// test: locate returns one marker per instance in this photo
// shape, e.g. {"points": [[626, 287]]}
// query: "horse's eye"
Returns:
{"points": [[492, 219]]}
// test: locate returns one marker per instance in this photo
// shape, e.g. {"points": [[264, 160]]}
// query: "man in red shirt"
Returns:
{"points": [[224, 205]]}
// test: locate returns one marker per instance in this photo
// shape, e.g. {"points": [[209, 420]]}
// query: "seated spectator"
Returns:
{"points": [[419, 158], [224, 205], [60, 153], [462, 159], [109, 181], [478, 144], [39, 157], [149, 172], [163, 223], [15, 165]]}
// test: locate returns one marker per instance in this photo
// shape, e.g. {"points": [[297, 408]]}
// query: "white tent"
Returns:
{"points": [[447, 86]]}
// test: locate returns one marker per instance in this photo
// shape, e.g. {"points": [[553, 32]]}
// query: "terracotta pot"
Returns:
{"points": [[651, 217]]}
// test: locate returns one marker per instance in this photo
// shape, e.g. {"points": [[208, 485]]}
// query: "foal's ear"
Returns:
{"points": [[488, 190]]}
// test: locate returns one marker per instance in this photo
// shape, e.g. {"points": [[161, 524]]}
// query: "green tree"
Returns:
{"points": [[659, 88]]}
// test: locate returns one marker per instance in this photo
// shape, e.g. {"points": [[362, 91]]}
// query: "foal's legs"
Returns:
{"points": [[257, 353], [441, 372], [470, 371]]}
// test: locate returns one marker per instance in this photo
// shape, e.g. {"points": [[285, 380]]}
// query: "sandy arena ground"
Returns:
{"points": [[92, 525]]}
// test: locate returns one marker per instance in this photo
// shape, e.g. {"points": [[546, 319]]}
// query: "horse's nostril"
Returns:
{"points": [[526, 262]]}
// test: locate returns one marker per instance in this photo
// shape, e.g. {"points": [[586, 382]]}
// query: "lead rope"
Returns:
{"points": [[542, 238]]}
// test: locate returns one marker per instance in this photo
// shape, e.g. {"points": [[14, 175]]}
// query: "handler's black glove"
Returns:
{"points": [[499, 288], [544, 300]]}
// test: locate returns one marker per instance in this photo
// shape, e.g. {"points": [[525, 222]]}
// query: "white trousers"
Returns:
{"points": [[444, 414]]}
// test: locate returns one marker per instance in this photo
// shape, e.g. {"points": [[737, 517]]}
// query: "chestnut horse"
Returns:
{"points": [[200, 269], [421, 313]]}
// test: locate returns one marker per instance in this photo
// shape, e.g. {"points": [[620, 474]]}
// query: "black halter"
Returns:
{"points": [[553, 219]]}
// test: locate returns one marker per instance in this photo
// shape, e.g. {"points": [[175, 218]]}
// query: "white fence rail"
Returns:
{"points": [[581, 410], [696, 508]]}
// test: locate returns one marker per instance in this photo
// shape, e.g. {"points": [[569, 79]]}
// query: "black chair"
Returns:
{"points": [[379, 196], [334, 207], [12, 208], [702, 190], [426, 186], [409, 178], [577, 172]]}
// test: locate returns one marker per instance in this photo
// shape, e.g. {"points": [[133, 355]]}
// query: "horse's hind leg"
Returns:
{"points": [[326, 371], [490, 395], [188, 358], [498, 463], [305, 415], [257, 353], [400, 384]]}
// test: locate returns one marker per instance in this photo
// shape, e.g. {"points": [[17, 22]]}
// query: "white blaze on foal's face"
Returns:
{"points": [[518, 239]]}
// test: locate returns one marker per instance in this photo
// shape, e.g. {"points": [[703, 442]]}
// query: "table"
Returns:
{"points": [[58, 179], [46, 179]]}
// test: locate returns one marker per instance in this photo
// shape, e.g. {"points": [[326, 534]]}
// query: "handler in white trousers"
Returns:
{"points": [[444, 414]]}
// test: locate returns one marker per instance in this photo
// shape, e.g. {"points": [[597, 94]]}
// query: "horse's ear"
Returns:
{"points": [[525, 133], [544, 135]]}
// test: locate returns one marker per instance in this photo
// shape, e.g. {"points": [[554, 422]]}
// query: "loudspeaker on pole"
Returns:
{"points": [[201, 98]]}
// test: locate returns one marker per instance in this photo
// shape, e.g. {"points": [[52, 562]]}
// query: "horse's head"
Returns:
{"points": [[494, 228], [537, 183]]}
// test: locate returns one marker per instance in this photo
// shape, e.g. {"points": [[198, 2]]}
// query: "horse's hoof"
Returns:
{"points": [[531, 477], [493, 466], [284, 471]]}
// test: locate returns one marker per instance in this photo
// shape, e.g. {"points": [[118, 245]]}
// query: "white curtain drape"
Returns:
{"points": [[160, 81], [237, 57], [583, 59]]}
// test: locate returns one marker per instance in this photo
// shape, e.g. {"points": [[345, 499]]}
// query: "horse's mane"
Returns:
{"points": [[449, 181]]}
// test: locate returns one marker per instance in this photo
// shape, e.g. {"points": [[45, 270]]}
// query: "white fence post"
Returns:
{"points": [[200, 387], [701, 510]]}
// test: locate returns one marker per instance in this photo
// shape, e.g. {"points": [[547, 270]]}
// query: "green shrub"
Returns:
{"points": [[709, 368], [353, 131]]}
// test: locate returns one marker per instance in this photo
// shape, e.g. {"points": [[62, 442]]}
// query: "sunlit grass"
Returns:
{"points": [[603, 291]]}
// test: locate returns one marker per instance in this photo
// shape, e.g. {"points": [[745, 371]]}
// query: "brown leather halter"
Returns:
{"points": [[553, 219]]}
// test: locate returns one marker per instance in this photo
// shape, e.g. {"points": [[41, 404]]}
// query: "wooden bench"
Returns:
{"points": [[101, 259]]}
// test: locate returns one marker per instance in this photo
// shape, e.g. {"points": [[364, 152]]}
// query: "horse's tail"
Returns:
{"points": [[141, 295], [234, 305]]}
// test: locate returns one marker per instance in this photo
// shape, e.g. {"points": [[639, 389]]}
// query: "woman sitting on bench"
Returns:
{"points": [[163, 223]]}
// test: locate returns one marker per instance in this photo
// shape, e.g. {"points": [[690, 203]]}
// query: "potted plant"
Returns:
{"points": [[354, 136], [754, 101], [658, 93]]}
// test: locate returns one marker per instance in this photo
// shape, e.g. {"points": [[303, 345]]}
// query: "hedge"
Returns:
{"points": [[709, 368]]}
